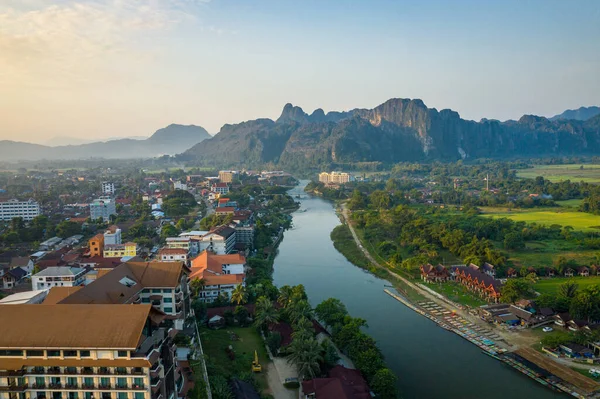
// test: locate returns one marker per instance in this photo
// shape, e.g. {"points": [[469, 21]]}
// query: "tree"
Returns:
{"points": [[299, 310], [568, 289], [331, 312], [330, 355], [265, 312], [305, 355], [239, 295], [197, 285], [241, 315], [384, 384], [515, 289], [220, 388], [303, 329], [380, 199], [67, 229], [168, 231], [555, 339], [274, 342], [368, 362], [285, 296]]}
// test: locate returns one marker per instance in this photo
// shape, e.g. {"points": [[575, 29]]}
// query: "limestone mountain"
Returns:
{"points": [[580, 114], [170, 140], [397, 130]]}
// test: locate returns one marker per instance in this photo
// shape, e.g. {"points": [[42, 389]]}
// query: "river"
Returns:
{"points": [[431, 363]]}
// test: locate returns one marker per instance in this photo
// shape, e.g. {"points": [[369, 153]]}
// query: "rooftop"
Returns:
{"points": [[58, 271]]}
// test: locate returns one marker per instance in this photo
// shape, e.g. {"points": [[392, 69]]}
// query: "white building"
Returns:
{"points": [[58, 276], [112, 236], [221, 274], [108, 188], [221, 241], [27, 297], [177, 185], [219, 188], [103, 207], [14, 208], [335, 177], [173, 255]]}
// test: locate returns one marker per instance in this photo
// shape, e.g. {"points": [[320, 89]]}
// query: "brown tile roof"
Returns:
{"points": [[74, 326], [109, 289], [18, 261], [172, 251], [224, 279], [57, 294]]}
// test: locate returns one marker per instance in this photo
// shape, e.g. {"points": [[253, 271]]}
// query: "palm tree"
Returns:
{"points": [[299, 310], [239, 295], [303, 329], [305, 355], [197, 285], [265, 312], [285, 296]]}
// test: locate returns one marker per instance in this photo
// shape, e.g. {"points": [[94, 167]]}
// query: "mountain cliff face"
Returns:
{"points": [[397, 130], [170, 140]]}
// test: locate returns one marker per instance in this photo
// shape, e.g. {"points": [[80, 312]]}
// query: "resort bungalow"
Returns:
{"points": [[551, 272], [488, 269], [583, 271], [477, 282], [511, 272], [569, 272], [436, 274], [576, 325]]}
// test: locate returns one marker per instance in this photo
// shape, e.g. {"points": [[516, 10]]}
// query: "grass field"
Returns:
{"points": [[578, 220], [555, 173], [218, 363], [457, 293], [550, 285], [572, 203]]}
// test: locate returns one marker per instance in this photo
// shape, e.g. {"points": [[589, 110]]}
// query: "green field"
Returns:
{"points": [[550, 285], [578, 220], [571, 203], [457, 293], [555, 173], [215, 343]]}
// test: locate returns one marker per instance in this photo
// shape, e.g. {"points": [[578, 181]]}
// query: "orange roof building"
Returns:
{"points": [[220, 273]]}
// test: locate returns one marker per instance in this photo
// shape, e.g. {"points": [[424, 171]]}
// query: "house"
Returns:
{"points": [[60, 276], [569, 272], [574, 350], [477, 282], [511, 273], [551, 272], [432, 273], [342, 383], [221, 274], [583, 271], [576, 325], [219, 188], [562, 319], [224, 210], [488, 269], [173, 255], [96, 245], [112, 235], [13, 277]]}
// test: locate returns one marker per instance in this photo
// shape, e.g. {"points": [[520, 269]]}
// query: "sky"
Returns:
{"points": [[95, 69]]}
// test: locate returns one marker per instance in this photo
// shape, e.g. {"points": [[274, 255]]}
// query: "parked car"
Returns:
{"points": [[547, 329]]}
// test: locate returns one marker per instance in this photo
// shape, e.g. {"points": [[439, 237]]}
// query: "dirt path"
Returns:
{"points": [[277, 389]]}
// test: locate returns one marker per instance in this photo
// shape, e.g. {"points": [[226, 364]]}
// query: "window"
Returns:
{"points": [[168, 310], [70, 353], [121, 382], [122, 395], [84, 353], [122, 353], [35, 353], [138, 382], [167, 290], [145, 300], [53, 353], [168, 300], [8, 352], [156, 291], [139, 395]]}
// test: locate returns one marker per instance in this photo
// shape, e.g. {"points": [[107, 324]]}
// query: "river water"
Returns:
{"points": [[430, 362]]}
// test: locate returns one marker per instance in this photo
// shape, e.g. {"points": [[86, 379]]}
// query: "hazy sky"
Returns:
{"points": [[106, 68]]}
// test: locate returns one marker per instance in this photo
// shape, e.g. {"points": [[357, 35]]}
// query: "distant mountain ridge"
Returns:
{"points": [[580, 114], [397, 130], [170, 140]]}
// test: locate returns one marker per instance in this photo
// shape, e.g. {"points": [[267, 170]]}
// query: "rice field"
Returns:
{"points": [[551, 285], [576, 172], [580, 221]]}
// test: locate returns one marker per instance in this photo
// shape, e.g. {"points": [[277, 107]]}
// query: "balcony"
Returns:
{"points": [[122, 386], [138, 387], [13, 388], [53, 370], [120, 371], [104, 371], [55, 385], [137, 371], [71, 386], [87, 386], [12, 373], [87, 370], [104, 386], [38, 386]]}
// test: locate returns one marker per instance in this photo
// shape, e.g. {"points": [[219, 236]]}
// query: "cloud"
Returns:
{"points": [[75, 39]]}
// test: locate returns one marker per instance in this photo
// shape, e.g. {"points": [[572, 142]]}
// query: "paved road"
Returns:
{"points": [[277, 389]]}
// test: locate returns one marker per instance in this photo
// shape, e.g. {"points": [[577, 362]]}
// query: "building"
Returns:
{"points": [[478, 282], [102, 208], [342, 383], [108, 188], [26, 297], [164, 285], [244, 234], [181, 242], [177, 185], [58, 276], [120, 250], [436, 274], [220, 240], [86, 352], [225, 210], [221, 274], [19, 209], [219, 188], [96, 245], [173, 255], [13, 277], [50, 243], [112, 235], [335, 177], [226, 176]]}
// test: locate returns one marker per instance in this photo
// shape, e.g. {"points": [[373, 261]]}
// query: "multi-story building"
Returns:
{"points": [[219, 188], [244, 234], [182, 242], [334, 177], [108, 188], [177, 185], [96, 245], [173, 255], [112, 235], [103, 207], [120, 250], [19, 209], [58, 276], [226, 176], [86, 351], [164, 285], [221, 274], [220, 240]]}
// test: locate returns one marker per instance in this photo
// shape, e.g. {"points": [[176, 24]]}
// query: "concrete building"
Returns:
{"points": [[226, 176], [112, 235], [14, 208], [87, 351], [102, 207], [108, 188], [177, 185], [220, 240], [96, 245], [50, 243], [219, 188], [120, 250], [58, 276], [173, 255], [26, 297], [221, 274], [334, 177]]}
